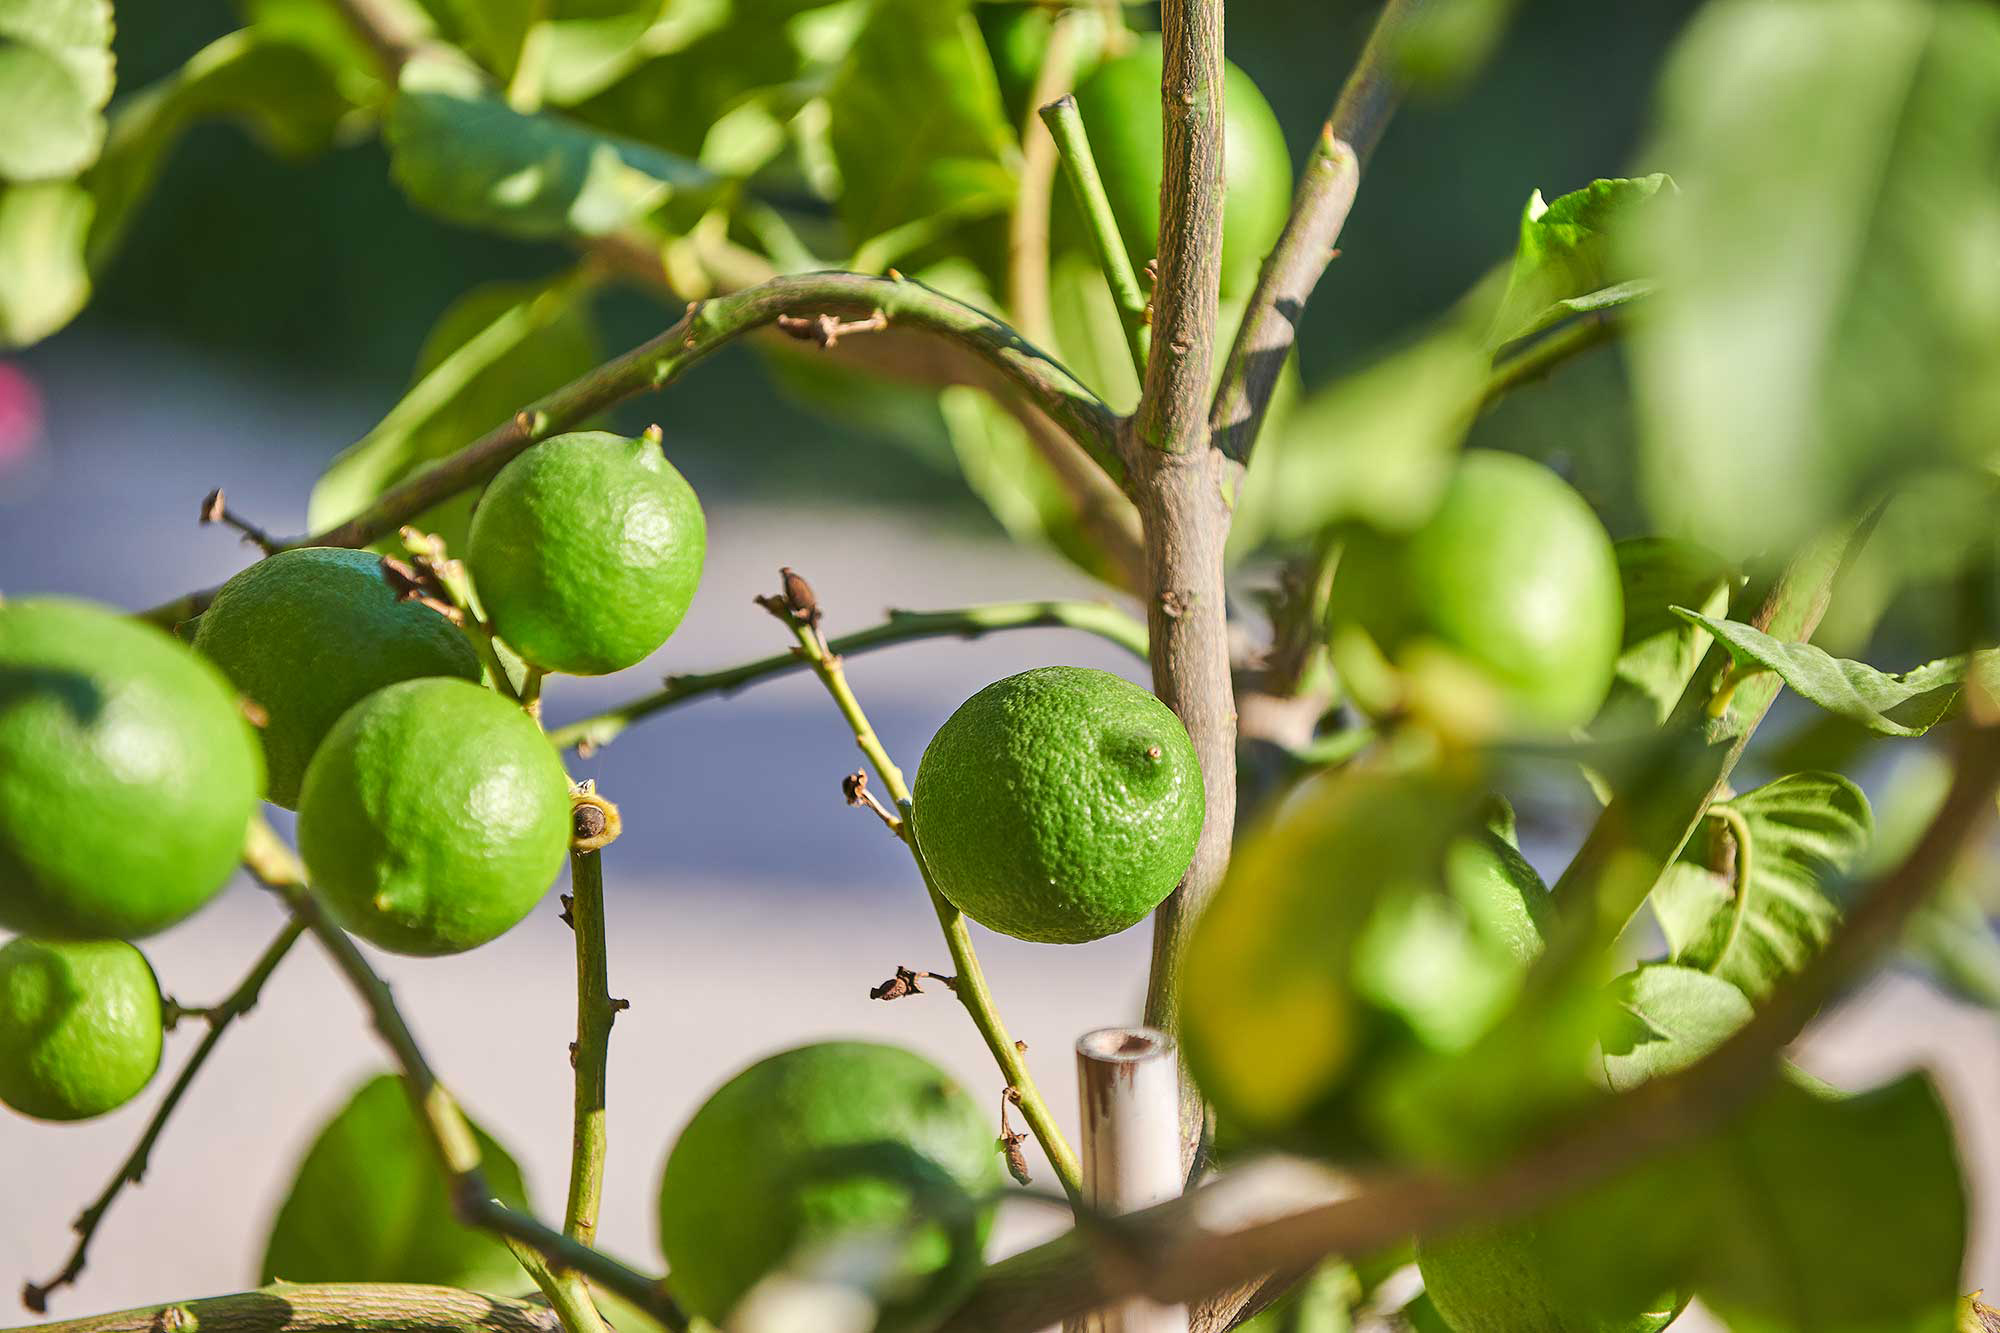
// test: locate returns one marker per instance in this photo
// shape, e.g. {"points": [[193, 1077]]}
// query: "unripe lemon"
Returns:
{"points": [[433, 817], [749, 1182], [586, 551], [79, 1026], [309, 633], [127, 774], [1120, 105], [1512, 577], [1060, 805]]}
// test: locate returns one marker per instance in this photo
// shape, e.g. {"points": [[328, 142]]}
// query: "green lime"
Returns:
{"points": [[127, 774], [434, 817], [1495, 1280], [1513, 579], [1060, 805], [758, 1175], [586, 551], [1120, 105], [307, 634], [79, 1026]]}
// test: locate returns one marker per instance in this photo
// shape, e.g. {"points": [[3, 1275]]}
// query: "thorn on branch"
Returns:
{"points": [[827, 331], [215, 509], [567, 904], [572, 1055], [855, 788]]}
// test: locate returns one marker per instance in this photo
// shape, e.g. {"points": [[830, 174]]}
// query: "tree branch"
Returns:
{"points": [[1079, 165], [133, 1169], [708, 326], [1320, 205], [1171, 1253], [338, 1307], [901, 627], [595, 1010]]}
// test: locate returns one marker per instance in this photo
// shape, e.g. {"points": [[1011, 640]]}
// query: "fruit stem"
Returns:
{"points": [[438, 1114], [594, 1011], [1079, 165], [970, 987], [133, 1169]]}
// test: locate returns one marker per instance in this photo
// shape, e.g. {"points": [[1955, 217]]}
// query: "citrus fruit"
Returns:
{"points": [[1495, 1280], [127, 774], [1120, 105], [1060, 805], [586, 551], [79, 1026], [750, 1181], [433, 817], [307, 634], [1512, 579]]}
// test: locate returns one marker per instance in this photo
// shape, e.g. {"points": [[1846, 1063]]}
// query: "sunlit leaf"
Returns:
{"points": [[1567, 260], [1668, 1017], [368, 1204], [43, 281], [55, 77]]}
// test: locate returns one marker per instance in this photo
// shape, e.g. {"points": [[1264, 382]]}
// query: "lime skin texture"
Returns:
{"points": [[1120, 105], [307, 634], [740, 1193], [1512, 574], [434, 817], [586, 552], [1059, 805], [127, 774], [79, 1026]]}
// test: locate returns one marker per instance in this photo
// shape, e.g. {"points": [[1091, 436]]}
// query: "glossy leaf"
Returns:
{"points": [[1659, 651], [1565, 261], [1667, 1018], [496, 348], [55, 77], [43, 281], [1908, 704], [1826, 320], [458, 150], [369, 1205]]}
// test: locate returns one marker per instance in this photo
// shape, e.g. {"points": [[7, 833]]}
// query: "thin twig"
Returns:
{"points": [[132, 1170], [1540, 359], [1079, 165], [969, 622], [215, 509], [595, 1010], [329, 1307], [970, 983]]}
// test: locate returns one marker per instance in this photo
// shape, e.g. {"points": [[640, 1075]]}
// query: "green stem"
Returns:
{"points": [[334, 1307], [444, 1124], [1541, 358], [902, 626], [594, 1011], [568, 1294], [970, 983], [133, 1169], [707, 327], [1079, 165]]}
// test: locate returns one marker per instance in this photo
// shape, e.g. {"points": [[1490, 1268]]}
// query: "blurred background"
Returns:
{"points": [[264, 313]]}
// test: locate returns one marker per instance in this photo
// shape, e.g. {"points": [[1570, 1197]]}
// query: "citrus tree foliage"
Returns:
{"points": [[1395, 974]]}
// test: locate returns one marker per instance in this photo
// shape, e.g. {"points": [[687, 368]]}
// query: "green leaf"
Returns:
{"points": [[458, 150], [1809, 1213], [1789, 837], [43, 281], [369, 1205], [55, 77], [1565, 262], [917, 128], [1667, 1018], [1908, 704], [1827, 319], [1660, 651], [497, 347]]}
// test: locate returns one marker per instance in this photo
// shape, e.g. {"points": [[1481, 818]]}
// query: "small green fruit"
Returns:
{"points": [[1513, 578], [309, 633], [434, 817], [127, 774], [79, 1026], [586, 551], [750, 1183], [1059, 805]]}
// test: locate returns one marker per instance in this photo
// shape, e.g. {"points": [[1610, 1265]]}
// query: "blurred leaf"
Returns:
{"points": [[458, 150], [1660, 651], [43, 281], [282, 91], [1951, 937], [1668, 1017], [319, 27], [1955, 942], [496, 349], [1908, 704], [369, 1205], [1808, 1213], [917, 127], [1790, 836], [577, 46], [55, 77], [1565, 262], [1829, 314]]}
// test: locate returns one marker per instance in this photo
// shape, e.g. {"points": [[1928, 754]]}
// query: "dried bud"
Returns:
{"points": [[799, 599], [211, 507]]}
